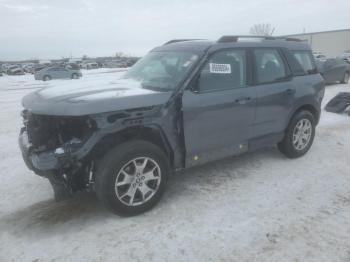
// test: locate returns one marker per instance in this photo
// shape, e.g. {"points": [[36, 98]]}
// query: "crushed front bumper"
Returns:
{"points": [[45, 161]]}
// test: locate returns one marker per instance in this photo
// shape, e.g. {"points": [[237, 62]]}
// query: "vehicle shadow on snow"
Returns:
{"points": [[50, 217], [217, 175]]}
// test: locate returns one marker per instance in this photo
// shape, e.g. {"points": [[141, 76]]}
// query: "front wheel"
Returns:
{"points": [[75, 76], [131, 178], [299, 135]]}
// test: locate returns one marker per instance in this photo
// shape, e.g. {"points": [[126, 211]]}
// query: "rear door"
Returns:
{"points": [[275, 92], [219, 114], [62, 73]]}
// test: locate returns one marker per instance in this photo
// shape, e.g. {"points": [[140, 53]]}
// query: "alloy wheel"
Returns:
{"points": [[302, 134], [138, 181]]}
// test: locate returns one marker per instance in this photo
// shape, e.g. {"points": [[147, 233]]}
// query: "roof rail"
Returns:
{"points": [[234, 38], [293, 39], [179, 40]]}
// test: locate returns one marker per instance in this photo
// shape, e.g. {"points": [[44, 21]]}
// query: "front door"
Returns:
{"points": [[219, 115]]}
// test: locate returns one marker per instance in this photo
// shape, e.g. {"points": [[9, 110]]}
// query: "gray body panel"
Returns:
{"points": [[77, 100], [217, 123]]}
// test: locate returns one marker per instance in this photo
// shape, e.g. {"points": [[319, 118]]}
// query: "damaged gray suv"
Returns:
{"points": [[185, 103]]}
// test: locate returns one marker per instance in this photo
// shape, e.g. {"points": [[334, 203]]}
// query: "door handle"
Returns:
{"points": [[242, 100], [290, 91]]}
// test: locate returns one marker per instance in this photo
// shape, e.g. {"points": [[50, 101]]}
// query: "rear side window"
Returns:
{"points": [[305, 61], [269, 66]]}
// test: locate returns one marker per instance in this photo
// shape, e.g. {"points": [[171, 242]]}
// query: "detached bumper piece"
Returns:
{"points": [[60, 186], [339, 104]]}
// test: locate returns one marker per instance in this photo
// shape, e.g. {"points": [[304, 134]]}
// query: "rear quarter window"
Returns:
{"points": [[269, 66], [305, 60]]}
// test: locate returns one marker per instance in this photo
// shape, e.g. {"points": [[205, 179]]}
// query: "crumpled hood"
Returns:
{"points": [[75, 98]]}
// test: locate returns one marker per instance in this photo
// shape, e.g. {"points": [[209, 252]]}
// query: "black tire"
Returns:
{"points": [[46, 78], [75, 76], [114, 161], [286, 146], [346, 78]]}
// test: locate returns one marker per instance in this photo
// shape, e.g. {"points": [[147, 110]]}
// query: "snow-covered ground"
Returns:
{"points": [[255, 207]]}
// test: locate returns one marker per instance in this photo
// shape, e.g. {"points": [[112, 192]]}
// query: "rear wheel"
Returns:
{"points": [[346, 78], [75, 76], [47, 78], [131, 178], [299, 135]]}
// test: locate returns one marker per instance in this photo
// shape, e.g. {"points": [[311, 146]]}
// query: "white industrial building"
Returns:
{"points": [[330, 43]]}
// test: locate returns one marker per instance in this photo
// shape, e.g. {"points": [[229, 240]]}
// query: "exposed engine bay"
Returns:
{"points": [[53, 134], [50, 132]]}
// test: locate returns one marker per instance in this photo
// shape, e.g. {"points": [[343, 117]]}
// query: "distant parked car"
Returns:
{"points": [[57, 73], [45, 62], [73, 66], [89, 66], [334, 69], [115, 64], [15, 70], [319, 55], [5, 67], [345, 56], [131, 61], [37, 68], [28, 68]]}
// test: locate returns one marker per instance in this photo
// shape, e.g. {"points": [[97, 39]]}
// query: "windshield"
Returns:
{"points": [[162, 71]]}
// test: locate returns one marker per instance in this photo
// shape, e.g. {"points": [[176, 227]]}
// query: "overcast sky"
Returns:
{"points": [[57, 28]]}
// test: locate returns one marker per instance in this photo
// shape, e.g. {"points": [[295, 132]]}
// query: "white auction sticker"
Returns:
{"points": [[220, 68]]}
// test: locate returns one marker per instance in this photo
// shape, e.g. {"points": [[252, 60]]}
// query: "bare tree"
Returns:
{"points": [[262, 29]]}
